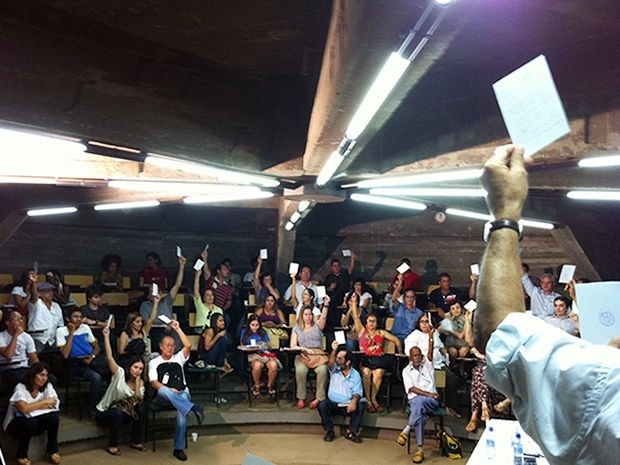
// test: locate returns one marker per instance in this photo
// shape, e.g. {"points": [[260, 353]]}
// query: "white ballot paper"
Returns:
{"points": [[599, 314], [403, 267], [179, 251], [567, 273], [263, 254], [165, 319], [475, 269], [320, 292], [293, 268], [340, 339], [199, 264], [155, 289], [531, 107], [471, 306], [346, 252]]}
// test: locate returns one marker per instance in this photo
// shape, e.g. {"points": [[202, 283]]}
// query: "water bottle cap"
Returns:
{"points": [[518, 435], [490, 428]]}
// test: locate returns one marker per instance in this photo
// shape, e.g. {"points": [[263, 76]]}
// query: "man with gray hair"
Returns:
{"points": [[541, 298]]}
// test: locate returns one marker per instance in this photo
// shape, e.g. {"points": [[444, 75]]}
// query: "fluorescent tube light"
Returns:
{"points": [[329, 168], [600, 162], [51, 211], [388, 201], [303, 206], [289, 226], [30, 145], [429, 192], [295, 217], [486, 217], [228, 197], [594, 195], [126, 205], [26, 180], [179, 187], [423, 178], [388, 77], [237, 177]]}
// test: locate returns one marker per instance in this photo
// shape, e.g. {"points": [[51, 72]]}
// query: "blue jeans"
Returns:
{"points": [[327, 408], [89, 374], [217, 354], [182, 402], [421, 407]]}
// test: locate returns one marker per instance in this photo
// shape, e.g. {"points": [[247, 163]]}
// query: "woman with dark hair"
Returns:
{"points": [[111, 276], [307, 299], [255, 335], [347, 321], [20, 294], [263, 283], [212, 351], [360, 287], [123, 400], [134, 339], [33, 409], [154, 272]]}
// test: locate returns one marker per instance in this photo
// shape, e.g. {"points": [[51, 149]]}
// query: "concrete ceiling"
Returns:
{"points": [[269, 86]]}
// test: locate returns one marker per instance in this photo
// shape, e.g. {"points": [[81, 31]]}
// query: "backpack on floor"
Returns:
{"points": [[450, 446]]}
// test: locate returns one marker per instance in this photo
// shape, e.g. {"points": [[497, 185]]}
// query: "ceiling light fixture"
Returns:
{"points": [[51, 211], [423, 178], [388, 201], [391, 72], [27, 145], [126, 205], [228, 197], [613, 196], [429, 192], [486, 217], [600, 162], [289, 226], [303, 208], [183, 188], [236, 177]]}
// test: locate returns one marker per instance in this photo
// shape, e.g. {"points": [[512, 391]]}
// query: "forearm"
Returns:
{"points": [[500, 264]]}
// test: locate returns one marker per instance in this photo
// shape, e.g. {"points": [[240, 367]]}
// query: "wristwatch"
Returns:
{"points": [[491, 226]]}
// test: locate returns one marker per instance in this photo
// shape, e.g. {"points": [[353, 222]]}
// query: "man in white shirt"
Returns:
{"points": [[44, 316], [167, 378], [305, 274]]}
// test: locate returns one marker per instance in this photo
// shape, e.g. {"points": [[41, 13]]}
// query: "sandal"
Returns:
{"points": [[378, 408], [370, 408], [113, 451], [271, 390], [484, 412], [138, 446], [503, 406], [351, 436], [418, 457], [401, 440], [256, 390], [54, 458], [471, 426], [24, 461]]}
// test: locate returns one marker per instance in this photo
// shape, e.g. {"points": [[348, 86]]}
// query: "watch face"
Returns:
{"points": [[486, 231]]}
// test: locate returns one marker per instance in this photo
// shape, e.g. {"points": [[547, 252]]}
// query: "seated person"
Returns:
{"points": [[561, 318], [20, 294], [419, 381], [255, 334], [361, 289], [272, 319], [374, 361], [263, 284], [307, 298], [154, 272], [95, 313], [343, 396], [111, 276], [78, 345], [134, 339], [166, 377], [44, 316], [33, 409], [17, 351], [307, 335], [214, 344], [159, 328], [347, 321], [123, 401], [61, 291], [406, 314], [440, 299], [421, 337], [205, 307], [453, 327]]}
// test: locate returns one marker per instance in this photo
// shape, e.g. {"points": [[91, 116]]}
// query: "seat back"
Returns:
{"points": [[79, 280]]}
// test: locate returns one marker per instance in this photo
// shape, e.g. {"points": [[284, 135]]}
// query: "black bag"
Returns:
{"points": [[136, 347], [450, 446], [171, 374]]}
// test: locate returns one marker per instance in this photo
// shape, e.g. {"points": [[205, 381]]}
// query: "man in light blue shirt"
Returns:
{"points": [[343, 397], [406, 314], [541, 298]]}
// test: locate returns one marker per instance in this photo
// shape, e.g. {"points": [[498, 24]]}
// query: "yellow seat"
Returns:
{"points": [[79, 280], [6, 279], [120, 299], [79, 298]]}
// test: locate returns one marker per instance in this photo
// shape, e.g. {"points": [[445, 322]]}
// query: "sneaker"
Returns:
{"points": [[329, 436], [200, 416], [220, 400], [180, 455]]}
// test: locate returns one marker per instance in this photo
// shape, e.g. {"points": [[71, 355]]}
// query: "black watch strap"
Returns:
{"points": [[502, 223]]}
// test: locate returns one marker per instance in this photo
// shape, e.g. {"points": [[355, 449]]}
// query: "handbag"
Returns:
{"points": [[450, 446], [127, 405], [313, 358]]}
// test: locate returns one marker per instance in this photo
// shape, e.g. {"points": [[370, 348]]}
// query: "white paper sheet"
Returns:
{"points": [[403, 268], [599, 314], [567, 273], [263, 254], [293, 268], [320, 292], [531, 106], [199, 264]]}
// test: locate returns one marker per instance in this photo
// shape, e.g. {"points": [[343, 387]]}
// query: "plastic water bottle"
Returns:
{"points": [[490, 444], [517, 449]]}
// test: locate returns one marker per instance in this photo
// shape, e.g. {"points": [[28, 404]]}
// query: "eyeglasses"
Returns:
{"points": [[423, 321], [17, 318]]}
